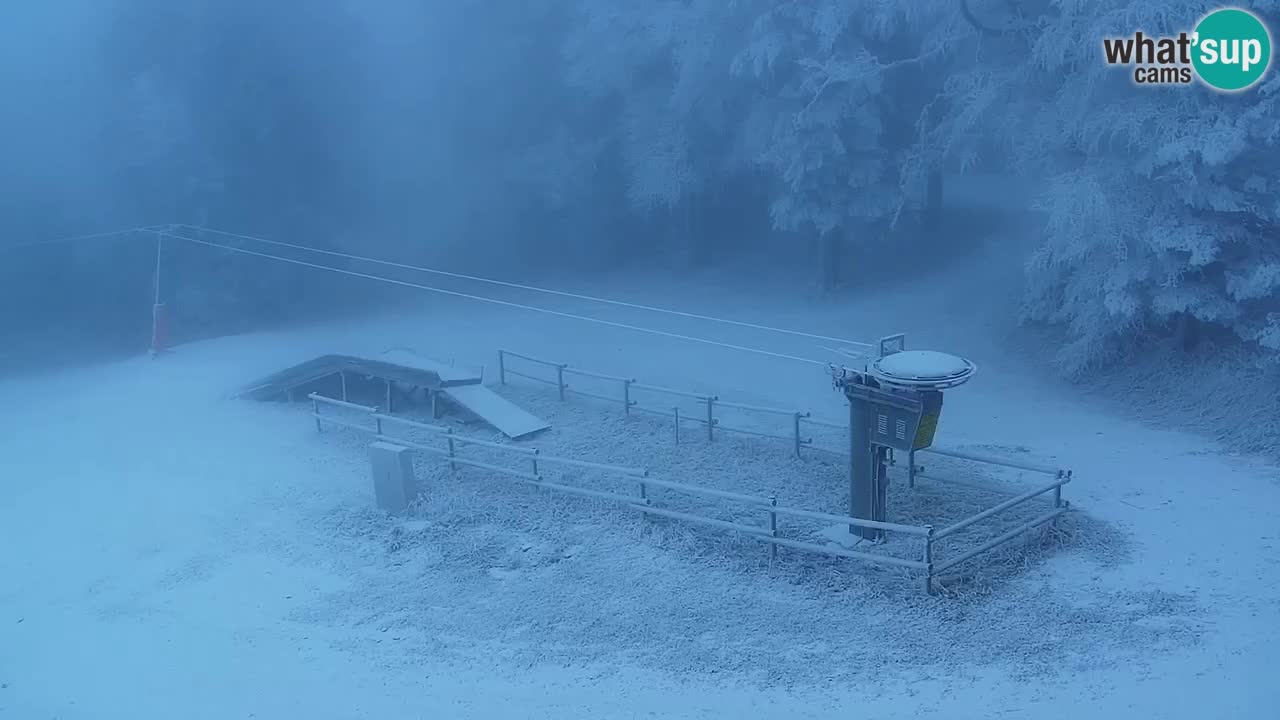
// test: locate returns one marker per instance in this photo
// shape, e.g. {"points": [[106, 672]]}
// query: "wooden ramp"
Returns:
{"points": [[508, 418], [448, 375]]}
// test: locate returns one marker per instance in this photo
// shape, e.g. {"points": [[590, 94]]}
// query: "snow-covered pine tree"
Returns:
{"points": [[845, 89], [668, 107], [818, 104], [1164, 219]]}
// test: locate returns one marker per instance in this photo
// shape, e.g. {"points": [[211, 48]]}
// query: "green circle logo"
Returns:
{"points": [[1232, 49]]}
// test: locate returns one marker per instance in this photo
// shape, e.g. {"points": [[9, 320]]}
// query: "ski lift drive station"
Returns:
{"points": [[894, 406]]}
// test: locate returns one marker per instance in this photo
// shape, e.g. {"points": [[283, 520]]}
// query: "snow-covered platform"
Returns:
{"points": [[406, 370], [290, 379]]}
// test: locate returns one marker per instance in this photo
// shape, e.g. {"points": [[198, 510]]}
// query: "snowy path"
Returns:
{"points": [[152, 555]]}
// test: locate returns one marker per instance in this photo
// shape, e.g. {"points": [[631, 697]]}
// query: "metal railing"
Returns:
{"points": [[768, 532], [628, 388], [644, 483], [933, 569]]}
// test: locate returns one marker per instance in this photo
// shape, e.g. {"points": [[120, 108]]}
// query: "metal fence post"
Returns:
{"points": [[502, 367], [315, 410], [626, 397], [389, 410], [453, 467], [159, 326], [644, 495], [711, 419], [795, 421], [911, 469], [560, 380], [928, 559], [773, 528], [534, 461], [342, 375], [677, 412], [1057, 497]]}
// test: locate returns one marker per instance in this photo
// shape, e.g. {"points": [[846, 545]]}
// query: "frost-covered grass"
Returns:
{"points": [[489, 571], [167, 552]]}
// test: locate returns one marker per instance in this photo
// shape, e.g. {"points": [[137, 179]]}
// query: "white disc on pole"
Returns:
{"points": [[923, 370]]}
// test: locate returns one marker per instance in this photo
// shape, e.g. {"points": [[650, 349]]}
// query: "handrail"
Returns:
{"points": [[344, 423], [494, 468], [527, 376], [1006, 537], [599, 376], [670, 391], [406, 422], [586, 464], [533, 359], [997, 509], [993, 461], [700, 519], [403, 443], [841, 552], [341, 403], [759, 408], [708, 492], [856, 522]]}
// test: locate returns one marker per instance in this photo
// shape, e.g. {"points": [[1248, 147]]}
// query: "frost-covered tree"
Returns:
{"points": [[845, 92], [657, 79], [1161, 217], [816, 104]]}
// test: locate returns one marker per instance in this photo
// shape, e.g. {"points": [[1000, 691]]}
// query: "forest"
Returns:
{"points": [[679, 133]]}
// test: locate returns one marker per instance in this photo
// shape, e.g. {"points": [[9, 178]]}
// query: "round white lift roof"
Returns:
{"points": [[923, 370]]}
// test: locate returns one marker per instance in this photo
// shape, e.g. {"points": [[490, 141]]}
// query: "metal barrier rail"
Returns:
{"points": [[1055, 487], [642, 503], [712, 423], [1060, 508], [960, 455], [988, 460], [629, 385], [932, 570]]}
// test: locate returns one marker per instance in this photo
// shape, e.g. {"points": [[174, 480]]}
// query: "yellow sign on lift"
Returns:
{"points": [[931, 400]]}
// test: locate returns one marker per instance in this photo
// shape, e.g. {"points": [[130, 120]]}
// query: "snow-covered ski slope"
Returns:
{"points": [[168, 552]]}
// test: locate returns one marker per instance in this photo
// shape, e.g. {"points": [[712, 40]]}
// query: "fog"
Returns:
{"points": [[618, 284], [419, 132], [832, 147]]}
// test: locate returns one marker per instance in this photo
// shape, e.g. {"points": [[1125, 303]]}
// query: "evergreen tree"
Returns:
{"points": [[1160, 217]]}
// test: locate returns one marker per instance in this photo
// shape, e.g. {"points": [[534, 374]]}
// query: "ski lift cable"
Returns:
{"points": [[547, 291], [74, 238], [495, 301]]}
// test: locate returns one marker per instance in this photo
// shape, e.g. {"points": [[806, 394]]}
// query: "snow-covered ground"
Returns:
{"points": [[169, 552]]}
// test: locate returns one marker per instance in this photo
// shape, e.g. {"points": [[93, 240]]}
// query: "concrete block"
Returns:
{"points": [[394, 485]]}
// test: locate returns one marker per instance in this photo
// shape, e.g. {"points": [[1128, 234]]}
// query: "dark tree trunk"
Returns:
{"points": [[690, 240], [832, 251], [1188, 332], [933, 201]]}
